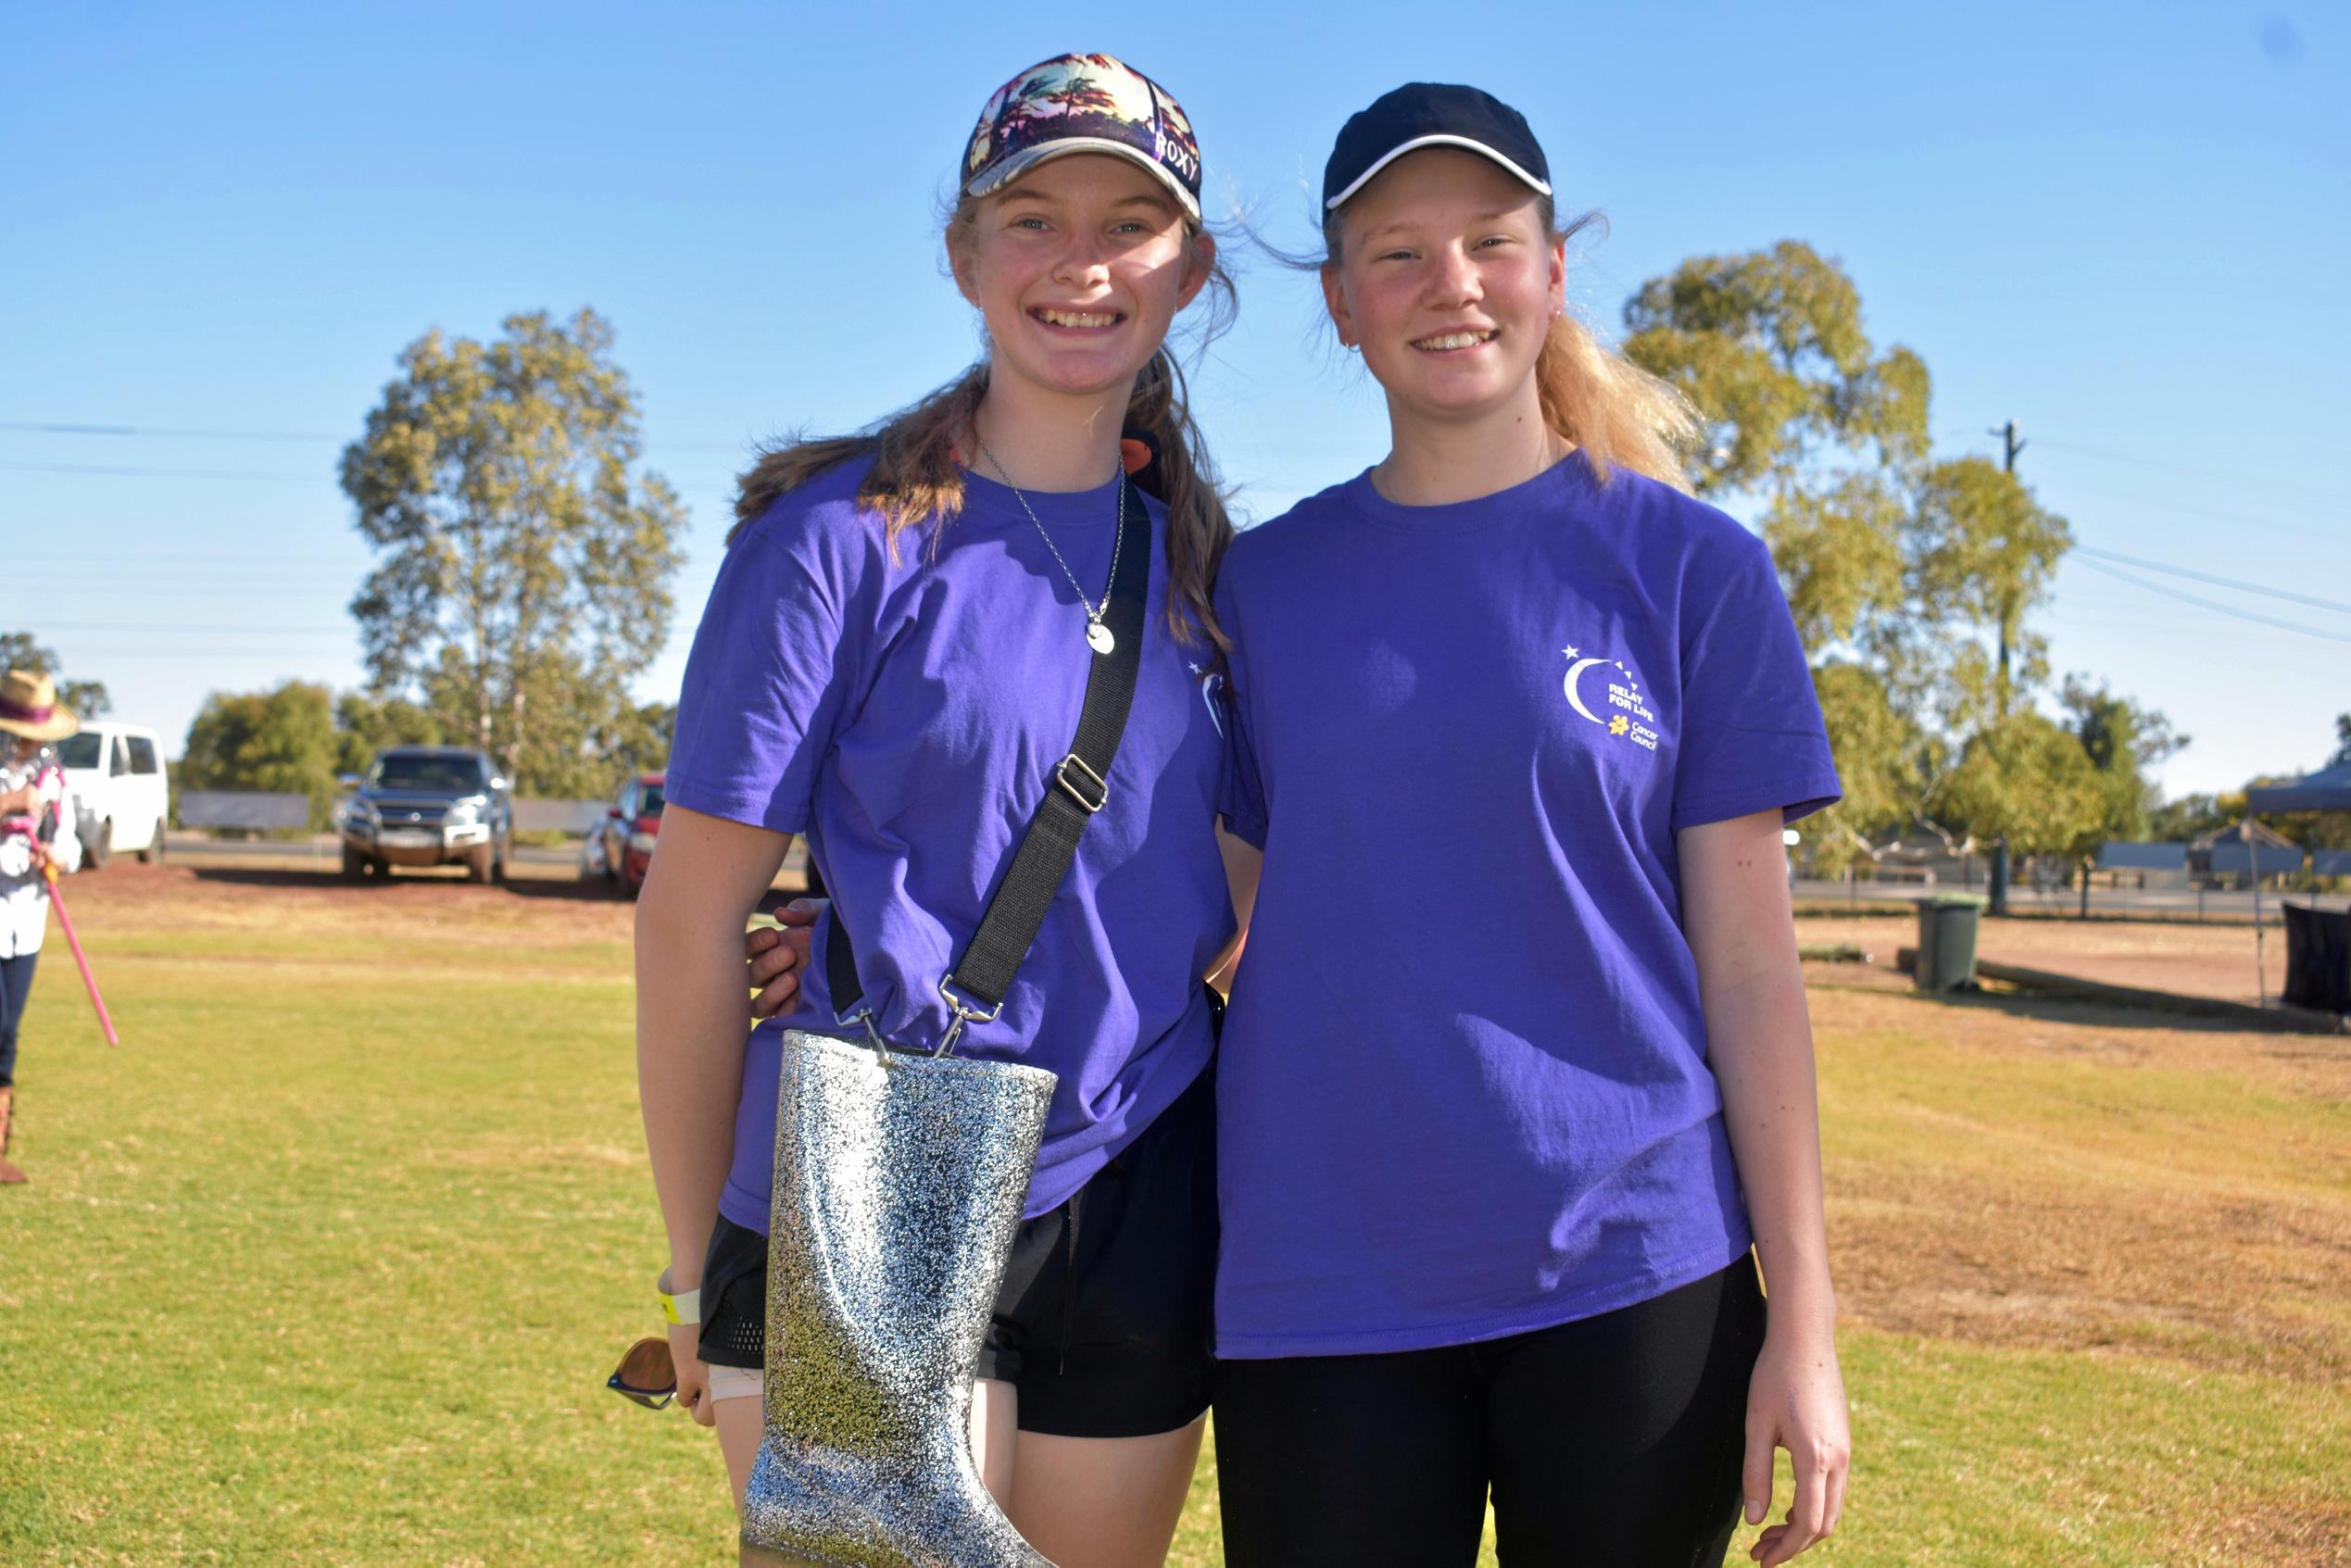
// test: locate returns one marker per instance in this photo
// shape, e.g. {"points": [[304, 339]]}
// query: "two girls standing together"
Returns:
{"points": [[1462, 1201]]}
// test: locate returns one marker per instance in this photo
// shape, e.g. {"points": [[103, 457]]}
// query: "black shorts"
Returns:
{"points": [[1104, 1323]]}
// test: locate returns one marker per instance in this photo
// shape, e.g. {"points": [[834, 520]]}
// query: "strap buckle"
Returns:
{"points": [[962, 1015], [864, 1016], [1070, 787]]}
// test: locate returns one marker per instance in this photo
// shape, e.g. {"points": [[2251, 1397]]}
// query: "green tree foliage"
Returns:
{"points": [[1841, 550], [364, 726], [1984, 553], [1910, 580], [2193, 816], [522, 578], [1878, 757], [2123, 741], [2342, 740], [638, 739], [2026, 778], [85, 699], [1770, 345], [279, 741]]}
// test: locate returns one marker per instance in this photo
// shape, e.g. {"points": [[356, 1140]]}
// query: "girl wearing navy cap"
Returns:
{"points": [[1489, 1231], [896, 649]]}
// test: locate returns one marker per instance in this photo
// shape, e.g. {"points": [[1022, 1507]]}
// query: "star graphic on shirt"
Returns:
{"points": [[1571, 652], [1619, 724]]}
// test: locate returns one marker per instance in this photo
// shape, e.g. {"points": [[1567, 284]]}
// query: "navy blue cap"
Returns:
{"points": [[1429, 114]]}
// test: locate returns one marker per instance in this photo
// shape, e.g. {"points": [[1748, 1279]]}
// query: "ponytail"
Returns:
{"points": [[1616, 413]]}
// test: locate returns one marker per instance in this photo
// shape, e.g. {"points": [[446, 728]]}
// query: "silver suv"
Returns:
{"points": [[428, 806]]}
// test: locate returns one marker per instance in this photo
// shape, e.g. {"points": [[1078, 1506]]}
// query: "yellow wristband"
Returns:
{"points": [[684, 1307]]}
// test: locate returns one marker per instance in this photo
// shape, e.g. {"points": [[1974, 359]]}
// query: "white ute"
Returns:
{"points": [[121, 795]]}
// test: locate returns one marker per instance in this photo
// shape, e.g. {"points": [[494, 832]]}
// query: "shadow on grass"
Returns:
{"points": [[2190, 1015]]}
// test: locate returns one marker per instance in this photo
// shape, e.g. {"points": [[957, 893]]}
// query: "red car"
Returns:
{"points": [[622, 845]]}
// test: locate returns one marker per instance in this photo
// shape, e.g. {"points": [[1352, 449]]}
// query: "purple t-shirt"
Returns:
{"points": [[905, 716], [1464, 1090]]}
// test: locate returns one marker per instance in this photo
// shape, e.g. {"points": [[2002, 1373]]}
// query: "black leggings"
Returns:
{"points": [[1612, 1441]]}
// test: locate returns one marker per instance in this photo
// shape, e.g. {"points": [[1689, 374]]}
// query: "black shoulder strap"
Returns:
{"points": [[1078, 788]]}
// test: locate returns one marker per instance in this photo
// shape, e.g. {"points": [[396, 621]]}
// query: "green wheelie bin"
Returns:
{"points": [[1947, 941]]}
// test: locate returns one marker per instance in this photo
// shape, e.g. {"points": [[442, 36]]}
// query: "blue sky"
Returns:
{"points": [[2121, 226]]}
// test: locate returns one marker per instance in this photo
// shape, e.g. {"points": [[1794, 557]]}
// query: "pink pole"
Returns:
{"points": [[57, 900]]}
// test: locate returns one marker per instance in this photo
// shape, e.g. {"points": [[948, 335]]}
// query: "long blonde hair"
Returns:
{"points": [[1616, 413], [916, 478]]}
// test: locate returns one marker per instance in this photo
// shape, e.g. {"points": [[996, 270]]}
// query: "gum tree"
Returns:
{"points": [[522, 574]]}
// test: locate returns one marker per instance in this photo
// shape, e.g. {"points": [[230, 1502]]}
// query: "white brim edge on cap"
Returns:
{"points": [[1022, 162], [1439, 141]]}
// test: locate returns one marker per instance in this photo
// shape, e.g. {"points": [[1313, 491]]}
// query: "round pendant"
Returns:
{"points": [[1099, 638]]}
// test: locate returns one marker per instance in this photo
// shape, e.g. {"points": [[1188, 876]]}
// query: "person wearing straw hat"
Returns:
{"points": [[36, 830]]}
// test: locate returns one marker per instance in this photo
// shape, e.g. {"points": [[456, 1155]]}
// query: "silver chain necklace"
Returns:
{"points": [[1098, 636]]}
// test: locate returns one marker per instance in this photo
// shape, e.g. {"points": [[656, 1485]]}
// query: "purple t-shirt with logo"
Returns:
{"points": [[1464, 1090], [905, 716]]}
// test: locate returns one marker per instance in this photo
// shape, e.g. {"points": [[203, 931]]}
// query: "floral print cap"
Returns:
{"points": [[1083, 104]]}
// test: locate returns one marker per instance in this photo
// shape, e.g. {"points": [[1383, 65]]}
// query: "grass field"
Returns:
{"points": [[327, 1263]]}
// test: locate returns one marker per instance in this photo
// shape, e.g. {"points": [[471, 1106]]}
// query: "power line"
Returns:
{"points": [[240, 628], [734, 448], [149, 558], [2216, 581], [172, 435], [2164, 466], [2215, 605], [120, 471]]}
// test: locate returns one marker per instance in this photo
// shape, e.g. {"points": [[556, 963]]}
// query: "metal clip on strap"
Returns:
{"points": [[962, 1015], [1093, 781]]}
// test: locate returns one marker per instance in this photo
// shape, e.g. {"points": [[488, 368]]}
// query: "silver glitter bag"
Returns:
{"points": [[899, 1181]]}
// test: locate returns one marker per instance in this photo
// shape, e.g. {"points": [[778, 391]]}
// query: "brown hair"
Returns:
{"points": [[1616, 413], [915, 477]]}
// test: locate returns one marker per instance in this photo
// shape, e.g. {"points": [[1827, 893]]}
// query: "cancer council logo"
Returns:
{"points": [[1629, 716]]}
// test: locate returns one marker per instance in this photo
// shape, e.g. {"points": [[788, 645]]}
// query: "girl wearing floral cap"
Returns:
{"points": [[894, 652]]}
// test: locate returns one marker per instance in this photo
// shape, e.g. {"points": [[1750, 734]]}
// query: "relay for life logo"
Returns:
{"points": [[1629, 714]]}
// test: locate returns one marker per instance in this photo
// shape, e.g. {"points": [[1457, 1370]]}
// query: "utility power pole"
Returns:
{"points": [[2010, 447], [2007, 434]]}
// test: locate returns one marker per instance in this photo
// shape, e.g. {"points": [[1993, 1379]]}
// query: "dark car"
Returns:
{"points": [[429, 805], [621, 847]]}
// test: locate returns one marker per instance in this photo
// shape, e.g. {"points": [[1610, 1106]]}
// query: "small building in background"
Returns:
{"points": [[2161, 866], [2228, 858]]}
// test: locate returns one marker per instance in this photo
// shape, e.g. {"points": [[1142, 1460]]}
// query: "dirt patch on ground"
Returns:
{"points": [[273, 895], [2221, 1282], [2277, 1532], [544, 903], [2201, 1253]]}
